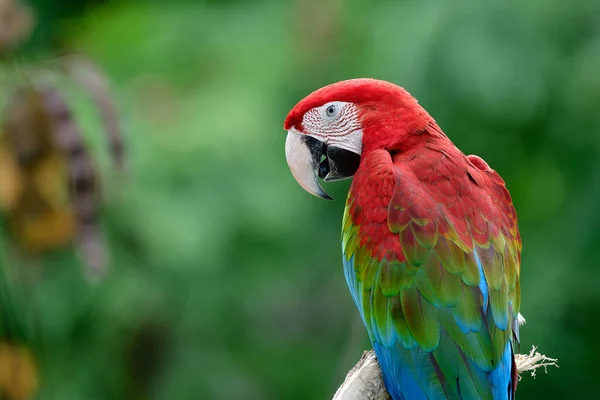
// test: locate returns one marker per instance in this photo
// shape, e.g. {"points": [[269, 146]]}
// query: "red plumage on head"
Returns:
{"points": [[389, 115]]}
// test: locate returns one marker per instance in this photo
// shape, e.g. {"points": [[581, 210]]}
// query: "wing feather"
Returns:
{"points": [[437, 283]]}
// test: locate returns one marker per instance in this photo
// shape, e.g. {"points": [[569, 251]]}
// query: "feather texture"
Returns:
{"points": [[431, 256]]}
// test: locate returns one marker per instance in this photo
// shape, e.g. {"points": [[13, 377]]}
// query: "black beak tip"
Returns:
{"points": [[323, 194]]}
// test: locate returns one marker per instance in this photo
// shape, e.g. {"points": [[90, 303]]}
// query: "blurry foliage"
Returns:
{"points": [[225, 277], [50, 194]]}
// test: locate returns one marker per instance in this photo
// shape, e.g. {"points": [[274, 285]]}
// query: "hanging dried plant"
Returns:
{"points": [[49, 183], [51, 192], [15, 26]]}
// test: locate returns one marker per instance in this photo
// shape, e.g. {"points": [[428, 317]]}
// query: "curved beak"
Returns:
{"points": [[303, 154]]}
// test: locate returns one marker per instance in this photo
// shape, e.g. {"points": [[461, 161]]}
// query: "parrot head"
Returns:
{"points": [[332, 128]]}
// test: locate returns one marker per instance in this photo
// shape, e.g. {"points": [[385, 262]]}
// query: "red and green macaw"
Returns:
{"points": [[431, 246]]}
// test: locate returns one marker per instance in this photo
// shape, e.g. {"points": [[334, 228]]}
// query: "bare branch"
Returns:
{"points": [[364, 381]]}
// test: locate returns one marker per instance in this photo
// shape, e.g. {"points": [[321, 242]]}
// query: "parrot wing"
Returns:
{"points": [[432, 255]]}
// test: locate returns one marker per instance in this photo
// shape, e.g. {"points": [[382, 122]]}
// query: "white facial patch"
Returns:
{"points": [[335, 123], [351, 142]]}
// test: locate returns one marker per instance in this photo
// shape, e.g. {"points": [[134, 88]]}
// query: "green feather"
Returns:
{"points": [[425, 235], [349, 238], [515, 297], [476, 345], [381, 316], [445, 286], [499, 306], [395, 276], [425, 289], [414, 253], [498, 336], [400, 324], [493, 269], [362, 259], [468, 310], [453, 364], [421, 319], [369, 274], [471, 274], [451, 256], [367, 307], [510, 268]]}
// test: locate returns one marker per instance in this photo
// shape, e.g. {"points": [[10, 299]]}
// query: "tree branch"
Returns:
{"points": [[364, 381]]}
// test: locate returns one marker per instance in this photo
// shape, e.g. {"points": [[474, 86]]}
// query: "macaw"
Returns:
{"points": [[430, 242]]}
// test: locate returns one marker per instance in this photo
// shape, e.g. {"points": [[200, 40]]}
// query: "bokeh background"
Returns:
{"points": [[225, 277]]}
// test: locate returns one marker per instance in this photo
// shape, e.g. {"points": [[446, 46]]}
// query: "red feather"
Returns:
{"points": [[431, 180]]}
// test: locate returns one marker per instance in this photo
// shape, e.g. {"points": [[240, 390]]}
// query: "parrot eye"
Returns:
{"points": [[331, 111]]}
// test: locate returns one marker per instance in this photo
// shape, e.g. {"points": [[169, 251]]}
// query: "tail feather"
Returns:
{"points": [[445, 373]]}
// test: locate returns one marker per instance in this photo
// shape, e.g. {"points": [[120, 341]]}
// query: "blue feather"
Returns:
{"points": [[399, 372], [351, 280], [501, 377], [483, 286]]}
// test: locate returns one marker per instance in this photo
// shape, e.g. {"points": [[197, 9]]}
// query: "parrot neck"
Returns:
{"points": [[396, 127], [404, 134]]}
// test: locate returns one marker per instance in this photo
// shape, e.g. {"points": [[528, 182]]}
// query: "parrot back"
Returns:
{"points": [[431, 254]]}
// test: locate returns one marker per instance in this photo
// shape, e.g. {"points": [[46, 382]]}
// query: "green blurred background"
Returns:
{"points": [[226, 279]]}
